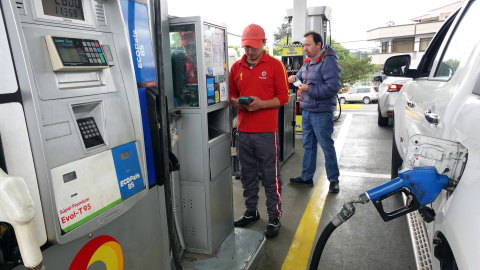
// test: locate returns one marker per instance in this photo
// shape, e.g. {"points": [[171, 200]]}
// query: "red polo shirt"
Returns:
{"points": [[266, 80]]}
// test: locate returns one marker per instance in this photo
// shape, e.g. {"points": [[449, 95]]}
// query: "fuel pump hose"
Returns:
{"points": [[346, 213]]}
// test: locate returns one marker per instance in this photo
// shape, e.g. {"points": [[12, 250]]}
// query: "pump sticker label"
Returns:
{"points": [[423, 161], [103, 181], [129, 175]]}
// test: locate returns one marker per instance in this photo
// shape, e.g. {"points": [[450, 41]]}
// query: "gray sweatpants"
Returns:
{"points": [[261, 148]]}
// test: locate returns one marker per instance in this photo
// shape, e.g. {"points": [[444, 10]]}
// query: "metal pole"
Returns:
{"points": [[299, 20]]}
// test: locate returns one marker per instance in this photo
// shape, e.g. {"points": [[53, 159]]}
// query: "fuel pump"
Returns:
{"points": [[71, 128]]}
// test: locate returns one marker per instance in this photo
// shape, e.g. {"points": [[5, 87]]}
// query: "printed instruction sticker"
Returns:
{"points": [[223, 91], [92, 192], [423, 161], [129, 175]]}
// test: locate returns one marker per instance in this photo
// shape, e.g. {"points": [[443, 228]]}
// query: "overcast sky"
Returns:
{"points": [[351, 19]]}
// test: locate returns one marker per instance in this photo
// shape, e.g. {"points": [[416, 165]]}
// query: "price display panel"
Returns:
{"points": [[75, 53], [71, 9]]}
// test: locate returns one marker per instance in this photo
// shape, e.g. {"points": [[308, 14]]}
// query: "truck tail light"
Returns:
{"points": [[394, 87]]}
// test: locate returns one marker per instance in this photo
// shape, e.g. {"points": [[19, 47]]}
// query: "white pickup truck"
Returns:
{"points": [[437, 122]]}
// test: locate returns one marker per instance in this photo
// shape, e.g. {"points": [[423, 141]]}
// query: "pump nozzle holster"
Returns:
{"points": [[18, 209], [421, 185]]}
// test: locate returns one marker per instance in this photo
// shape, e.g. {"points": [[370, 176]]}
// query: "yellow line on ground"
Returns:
{"points": [[349, 106], [301, 247], [299, 252]]}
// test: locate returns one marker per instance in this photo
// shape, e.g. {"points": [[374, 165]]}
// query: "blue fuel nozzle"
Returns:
{"points": [[421, 185]]}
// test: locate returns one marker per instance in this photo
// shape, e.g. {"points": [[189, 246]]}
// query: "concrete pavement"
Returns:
{"points": [[365, 241]]}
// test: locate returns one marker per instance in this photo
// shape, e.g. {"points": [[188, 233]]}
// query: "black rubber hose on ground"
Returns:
{"points": [[322, 241], [346, 213]]}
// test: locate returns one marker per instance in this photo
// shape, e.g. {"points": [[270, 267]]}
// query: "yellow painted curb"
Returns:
{"points": [[298, 123], [349, 106], [299, 252]]}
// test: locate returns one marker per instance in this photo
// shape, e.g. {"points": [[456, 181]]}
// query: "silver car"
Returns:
{"points": [[387, 94], [365, 94]]}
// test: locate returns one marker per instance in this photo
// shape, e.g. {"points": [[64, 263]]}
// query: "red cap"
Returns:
{"points": [[252, 36], [187, 37]]}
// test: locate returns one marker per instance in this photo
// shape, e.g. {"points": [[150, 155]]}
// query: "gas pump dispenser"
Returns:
{"points": [[71, 127]]}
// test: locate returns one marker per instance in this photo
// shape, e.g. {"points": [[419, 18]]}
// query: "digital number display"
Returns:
{"points": [[71, 9], [69, 55]]}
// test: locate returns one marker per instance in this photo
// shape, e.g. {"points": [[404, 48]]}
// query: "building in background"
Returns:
{"points": [[410, 39]]}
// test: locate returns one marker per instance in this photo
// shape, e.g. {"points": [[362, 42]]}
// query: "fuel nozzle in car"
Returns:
{"points": [[421, 185]]}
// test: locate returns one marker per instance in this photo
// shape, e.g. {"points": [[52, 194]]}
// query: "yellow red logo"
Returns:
{"points": [[102, 248]]}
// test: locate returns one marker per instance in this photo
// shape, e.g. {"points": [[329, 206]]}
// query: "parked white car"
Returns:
{"points": [[365, 94], [437, 117], [388, 92]]}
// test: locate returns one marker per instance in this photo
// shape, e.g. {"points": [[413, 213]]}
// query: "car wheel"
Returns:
{"points": [[382, 121], [397, 160], [342, 100], [366, 100]]}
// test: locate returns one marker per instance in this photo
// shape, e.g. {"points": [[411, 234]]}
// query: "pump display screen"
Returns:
{"points": [[71, 9], [69, 55], [79, 52]]}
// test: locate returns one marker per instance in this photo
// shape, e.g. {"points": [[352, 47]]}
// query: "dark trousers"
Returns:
{"points": [[261, 148]]}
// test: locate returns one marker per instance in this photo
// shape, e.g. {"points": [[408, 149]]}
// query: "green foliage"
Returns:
{"points": [[236, 49], [280, 37], [353, 68], [175, 39], [278, 48], [281, 32], [453, 63]]}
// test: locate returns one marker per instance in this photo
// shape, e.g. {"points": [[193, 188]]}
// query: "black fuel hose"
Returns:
{"points": [[322, 241], [347, 212]]}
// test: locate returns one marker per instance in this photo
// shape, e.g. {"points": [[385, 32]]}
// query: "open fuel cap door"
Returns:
{"points": [[449, 158]]}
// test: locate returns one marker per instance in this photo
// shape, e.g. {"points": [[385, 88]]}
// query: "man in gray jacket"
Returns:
{"points": [[320, 82]]}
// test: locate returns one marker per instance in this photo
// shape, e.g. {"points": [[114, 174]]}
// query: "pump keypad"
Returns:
{"points": [[90, 133], [79, 52]]}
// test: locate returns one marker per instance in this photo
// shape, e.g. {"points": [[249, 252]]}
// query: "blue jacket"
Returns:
{"points": [[324, 74]]}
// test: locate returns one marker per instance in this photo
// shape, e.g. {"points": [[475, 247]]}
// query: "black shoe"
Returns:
{"points": [[299, 181], [273, 227], [246, 218], [334, 188]]}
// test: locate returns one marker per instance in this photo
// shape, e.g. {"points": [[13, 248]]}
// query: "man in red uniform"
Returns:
{"points": [[188, 45], [263, 78]]}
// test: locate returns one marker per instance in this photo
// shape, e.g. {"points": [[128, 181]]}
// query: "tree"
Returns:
{"points": [[278, 48], [236, 49], [280, 37], [361, 54], [282, 31], [175, 39], [353, 68], [453, 63]]}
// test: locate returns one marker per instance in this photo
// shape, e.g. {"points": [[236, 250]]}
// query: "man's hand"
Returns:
{"points": [[292, 79], [234, 102], [303, 87], [256, 104]]}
